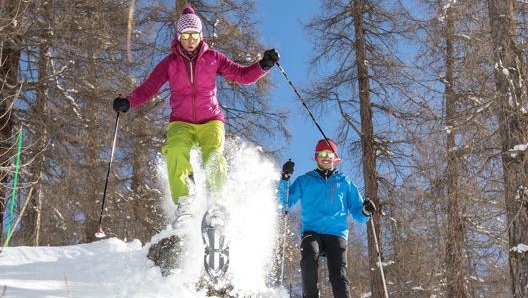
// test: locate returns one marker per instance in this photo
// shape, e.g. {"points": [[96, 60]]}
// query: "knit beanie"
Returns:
{"points": [[188, 21], [322, 145]]}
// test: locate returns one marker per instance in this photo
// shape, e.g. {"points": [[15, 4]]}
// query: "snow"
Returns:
{"points": [[518, 149], [520, 248], [118, 268]]}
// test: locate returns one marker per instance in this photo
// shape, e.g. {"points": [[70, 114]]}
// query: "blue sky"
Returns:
{"points": [[281, 26]]}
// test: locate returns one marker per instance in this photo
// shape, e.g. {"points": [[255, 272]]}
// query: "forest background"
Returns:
{"points": [[428, 99]]}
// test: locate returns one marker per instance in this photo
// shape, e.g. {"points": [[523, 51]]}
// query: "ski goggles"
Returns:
{"points": [[187, 35], [325, 154]]}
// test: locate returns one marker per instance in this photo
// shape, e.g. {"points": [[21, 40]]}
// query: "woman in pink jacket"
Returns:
{"points": [[196, 118]]}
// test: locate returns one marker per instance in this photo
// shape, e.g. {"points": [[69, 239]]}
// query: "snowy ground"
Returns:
{"points": [[115, 268]]}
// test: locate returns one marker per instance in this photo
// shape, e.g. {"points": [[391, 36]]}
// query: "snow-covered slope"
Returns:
{"points": [[107, 268], [117, 268]]}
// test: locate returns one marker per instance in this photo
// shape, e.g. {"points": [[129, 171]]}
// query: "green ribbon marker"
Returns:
{"points": [[13, 193]]}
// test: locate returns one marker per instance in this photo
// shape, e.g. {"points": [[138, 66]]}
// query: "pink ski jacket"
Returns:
{"points": [[193, 85]]}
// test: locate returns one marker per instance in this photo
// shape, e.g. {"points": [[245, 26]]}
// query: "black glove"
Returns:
{"points": [[269, 59], [287, 170], [369, 207], [121, 104]]}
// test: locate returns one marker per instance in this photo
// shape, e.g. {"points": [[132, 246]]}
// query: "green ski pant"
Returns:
{"points": [[181, 137]]}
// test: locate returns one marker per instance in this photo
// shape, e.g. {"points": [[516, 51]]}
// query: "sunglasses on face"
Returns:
{"points": [[187, 35], [326, 154]]}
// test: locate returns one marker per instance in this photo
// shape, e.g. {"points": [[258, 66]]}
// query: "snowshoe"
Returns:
{"points": [[216, 255], [221, 290], [165, 253]]}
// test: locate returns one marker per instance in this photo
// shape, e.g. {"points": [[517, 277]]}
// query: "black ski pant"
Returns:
{"points": [[335, 250]]}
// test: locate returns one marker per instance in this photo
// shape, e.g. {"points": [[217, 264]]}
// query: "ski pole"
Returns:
{"points": [[305, 106], [385, 292], [99, 233], [284, 227]]}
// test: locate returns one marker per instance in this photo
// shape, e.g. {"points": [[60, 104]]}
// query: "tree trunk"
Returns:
{"points": [[38, 125], [368, 146], [9, 62], [511, 97], [455, 221], [42, 110], [93, 163]]}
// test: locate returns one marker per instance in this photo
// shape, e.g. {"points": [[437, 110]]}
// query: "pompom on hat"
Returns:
{"points": [[327, 145], [188, 22]]}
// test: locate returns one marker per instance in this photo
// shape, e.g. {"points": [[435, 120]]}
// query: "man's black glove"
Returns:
{"points": [[121, 104], [287, 170], [269, 59], [369, 207]]}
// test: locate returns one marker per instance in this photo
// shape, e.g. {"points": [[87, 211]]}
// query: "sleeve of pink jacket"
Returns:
{"points": [[151, 85], [242, 74]]}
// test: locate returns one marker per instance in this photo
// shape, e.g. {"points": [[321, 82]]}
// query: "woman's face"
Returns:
{"points": [[190, 40]]}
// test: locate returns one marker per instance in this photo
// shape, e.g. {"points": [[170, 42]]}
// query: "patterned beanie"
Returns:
{"points": [[188, 21]]}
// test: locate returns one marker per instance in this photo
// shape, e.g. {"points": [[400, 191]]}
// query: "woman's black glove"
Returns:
{"points": [[269, 59], [121, 104]]}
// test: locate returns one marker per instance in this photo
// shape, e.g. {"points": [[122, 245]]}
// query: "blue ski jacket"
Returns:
{"points": [[325, 204]]}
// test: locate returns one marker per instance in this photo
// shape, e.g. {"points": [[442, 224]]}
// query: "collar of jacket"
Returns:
{"points": [[326, 173]]}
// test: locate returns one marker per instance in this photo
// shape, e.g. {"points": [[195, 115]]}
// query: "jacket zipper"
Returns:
{"points": [[332, 189], [191, 73]]}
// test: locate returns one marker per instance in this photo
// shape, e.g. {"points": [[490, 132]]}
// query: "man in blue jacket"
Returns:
{"points": [[326, 197]]}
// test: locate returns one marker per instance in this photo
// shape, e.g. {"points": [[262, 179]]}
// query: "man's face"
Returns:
{"points": [[325, 159]]}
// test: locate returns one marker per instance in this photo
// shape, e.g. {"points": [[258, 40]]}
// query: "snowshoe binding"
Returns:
{"points": [[216, 255]]}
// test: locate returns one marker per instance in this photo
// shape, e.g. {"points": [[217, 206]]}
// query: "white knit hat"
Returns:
{"points": [[188, 21]]}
